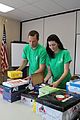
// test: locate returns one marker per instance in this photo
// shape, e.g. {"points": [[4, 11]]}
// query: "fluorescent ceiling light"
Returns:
{"points": [[5, 8]]}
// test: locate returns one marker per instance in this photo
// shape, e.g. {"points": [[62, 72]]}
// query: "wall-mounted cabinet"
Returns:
{"points": [[32, 25], [77, 62], [63, 25], [78, 22], [77, 65]]}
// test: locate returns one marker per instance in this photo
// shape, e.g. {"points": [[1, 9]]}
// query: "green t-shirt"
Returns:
{"points": [[35, 57], [57, 66]]}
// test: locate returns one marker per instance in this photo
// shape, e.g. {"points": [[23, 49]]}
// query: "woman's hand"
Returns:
{"points": [[54, 84]]}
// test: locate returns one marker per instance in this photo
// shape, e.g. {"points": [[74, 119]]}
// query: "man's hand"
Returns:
{"points": [[18, 69], [28, 78]]}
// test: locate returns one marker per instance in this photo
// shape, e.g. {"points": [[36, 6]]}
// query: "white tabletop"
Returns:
{"points": [[16, 111]]}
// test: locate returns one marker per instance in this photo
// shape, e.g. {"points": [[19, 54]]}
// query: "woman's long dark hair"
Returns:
{"points": [[55, 38]]}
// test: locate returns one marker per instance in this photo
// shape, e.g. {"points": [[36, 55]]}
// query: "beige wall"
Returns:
{"points": [[12, 31]]}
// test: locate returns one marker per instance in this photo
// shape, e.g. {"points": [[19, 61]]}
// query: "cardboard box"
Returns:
{"points": [[48, 113], [52, 108], [1, 90], [29, 97], [27, 100], [37, 78], [14, 74], [11, 97], [15, 83], [73, 86], [12, 90]]}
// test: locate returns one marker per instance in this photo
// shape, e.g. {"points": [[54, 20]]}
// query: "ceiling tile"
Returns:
{"points": [[31, 1], [49, 6], [19, 14], [30, 9], [13, 3], [35, 11], [68, 4]]}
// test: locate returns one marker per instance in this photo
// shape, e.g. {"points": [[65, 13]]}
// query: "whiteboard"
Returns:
{"points": [[16, 53]]}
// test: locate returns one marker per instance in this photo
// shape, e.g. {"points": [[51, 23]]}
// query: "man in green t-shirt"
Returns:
{"points": [[34, 54]]}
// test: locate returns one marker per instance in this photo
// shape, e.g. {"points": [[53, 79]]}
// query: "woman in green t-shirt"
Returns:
{"points": [[58, 62]]}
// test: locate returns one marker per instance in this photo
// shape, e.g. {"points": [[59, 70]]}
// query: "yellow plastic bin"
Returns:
{"points": [[15, 74]]}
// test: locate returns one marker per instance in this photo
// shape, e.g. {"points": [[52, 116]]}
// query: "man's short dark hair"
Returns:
{"points": [[33, 33]]}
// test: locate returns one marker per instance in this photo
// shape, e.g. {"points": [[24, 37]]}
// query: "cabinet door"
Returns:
{"points": [[32, 25], [64, 27], [77, 65], [78, 22]]}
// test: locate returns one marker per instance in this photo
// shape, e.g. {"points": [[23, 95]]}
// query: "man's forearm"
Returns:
{"points": [[41, 68], [23, 64]]}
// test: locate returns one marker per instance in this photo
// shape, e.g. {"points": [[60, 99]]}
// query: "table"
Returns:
{"points": [[16, 111]]}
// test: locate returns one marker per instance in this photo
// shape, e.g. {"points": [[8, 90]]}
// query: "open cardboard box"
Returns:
{"points": [[37, 78]]}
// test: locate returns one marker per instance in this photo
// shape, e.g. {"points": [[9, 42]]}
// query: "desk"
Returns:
{"points": [[16, 111]]}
